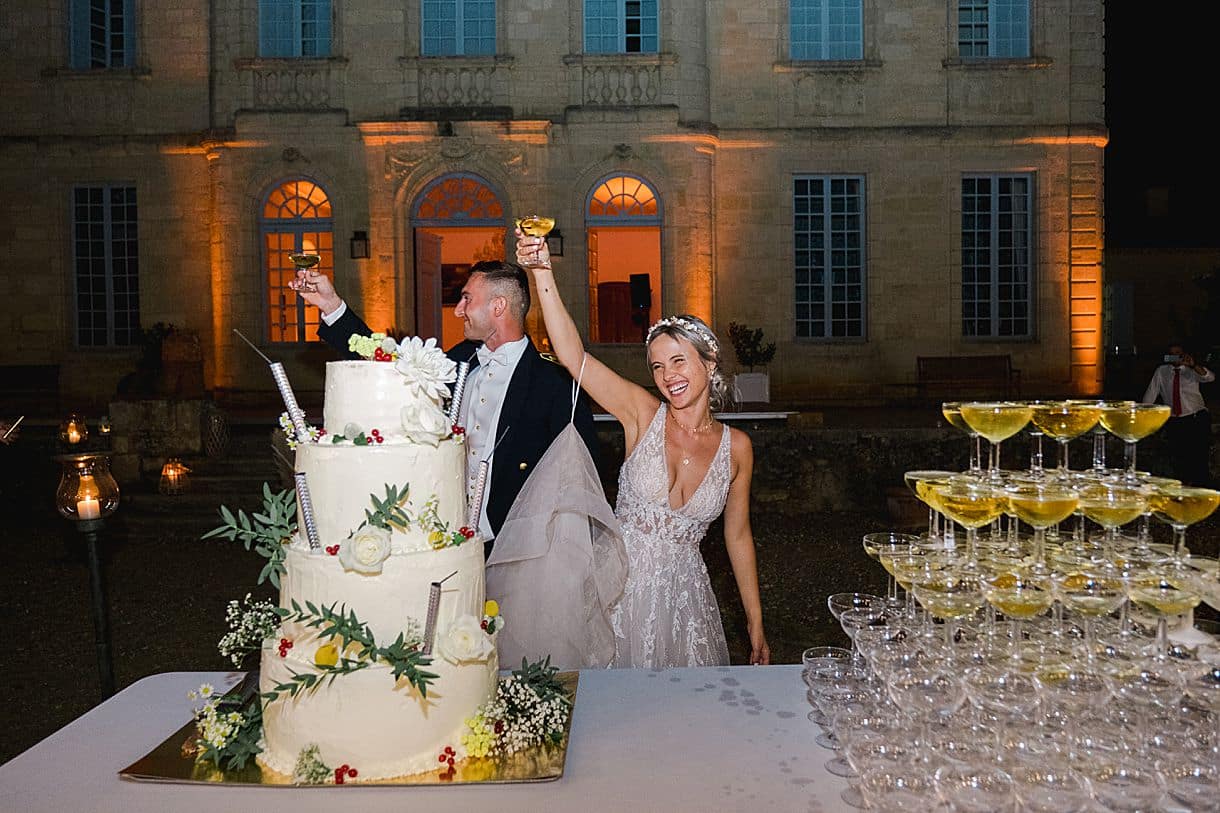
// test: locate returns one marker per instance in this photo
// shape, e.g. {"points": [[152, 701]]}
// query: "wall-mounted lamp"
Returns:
{"points": [[360, 245], [554, 243]]}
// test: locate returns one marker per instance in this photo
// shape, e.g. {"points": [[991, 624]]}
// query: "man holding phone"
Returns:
{"points": [[1189, 429]]}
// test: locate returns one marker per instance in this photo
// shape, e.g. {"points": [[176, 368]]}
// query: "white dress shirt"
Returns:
{"points": [[486, 390], [1161, 386]]}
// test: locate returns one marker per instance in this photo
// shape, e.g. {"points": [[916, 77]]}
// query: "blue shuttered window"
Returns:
{"points": [[459, 28], [294, 28], [621, 26], [826, 29], [102, 34], [829, 263], [105, 257], [993, 28]]}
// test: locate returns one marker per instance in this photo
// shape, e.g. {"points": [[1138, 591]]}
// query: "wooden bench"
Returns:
{"points": [[29, 387], [949, 377]]}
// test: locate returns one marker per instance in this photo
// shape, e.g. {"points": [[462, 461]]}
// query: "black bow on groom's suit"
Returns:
{"points": [[536, 409]]}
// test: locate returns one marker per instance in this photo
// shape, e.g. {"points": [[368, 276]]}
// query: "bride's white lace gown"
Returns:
{"points": [[668, 614]]}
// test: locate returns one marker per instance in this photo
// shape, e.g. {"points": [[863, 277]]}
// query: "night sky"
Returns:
{"points": [[1160, 75]]}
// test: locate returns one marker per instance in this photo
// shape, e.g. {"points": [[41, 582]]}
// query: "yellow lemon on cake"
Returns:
{"points": [[491, 608], [327, 655]]}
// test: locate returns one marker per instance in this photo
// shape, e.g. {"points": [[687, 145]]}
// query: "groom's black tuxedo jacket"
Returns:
{"points": [[536, 409]]}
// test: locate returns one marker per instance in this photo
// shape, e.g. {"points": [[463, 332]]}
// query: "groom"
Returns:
{"points": [[514, 397]]}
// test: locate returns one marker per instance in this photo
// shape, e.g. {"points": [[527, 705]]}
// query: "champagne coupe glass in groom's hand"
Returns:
{"points": [[535, 226]]}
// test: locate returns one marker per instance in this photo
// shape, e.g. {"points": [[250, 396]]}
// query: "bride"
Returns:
{"points": [[682, 469]]}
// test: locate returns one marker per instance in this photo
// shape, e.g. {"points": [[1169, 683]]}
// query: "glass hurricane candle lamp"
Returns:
{"points": [[174, 479], [87, 491], [73, 430]]}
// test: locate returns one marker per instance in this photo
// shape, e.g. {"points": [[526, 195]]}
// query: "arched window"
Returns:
{"points": [[296, 218], [458, 220], [623, 235]]}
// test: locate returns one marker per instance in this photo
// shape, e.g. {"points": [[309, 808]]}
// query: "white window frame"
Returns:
{"points": [[116, 268], [1001, 278], [839, 276]]}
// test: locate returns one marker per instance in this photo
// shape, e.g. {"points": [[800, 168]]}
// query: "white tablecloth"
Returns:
{"points": [[713, 739]]}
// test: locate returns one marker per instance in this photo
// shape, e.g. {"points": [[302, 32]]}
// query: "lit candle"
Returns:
{"points": [[73, 434], [88, 508]]}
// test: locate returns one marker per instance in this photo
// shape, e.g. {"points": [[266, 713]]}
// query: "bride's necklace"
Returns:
{"points": [[699, 430]]}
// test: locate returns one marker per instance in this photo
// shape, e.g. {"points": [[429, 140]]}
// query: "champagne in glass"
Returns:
{"points": [[949, 594], [1157, 595], [1133, 422], [952, 411], [921, 483], [1041, 506], [996, 421], [971, 504], [1181, 507], [1091, 595], [1064, 421], [1112, 505], [892, 543], [536, 225]]}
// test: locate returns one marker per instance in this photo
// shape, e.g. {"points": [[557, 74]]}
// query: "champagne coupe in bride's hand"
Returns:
{"points": [[535, 226]]}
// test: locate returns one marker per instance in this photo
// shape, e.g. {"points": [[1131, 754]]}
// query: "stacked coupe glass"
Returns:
{"points": [[1020, 671]]}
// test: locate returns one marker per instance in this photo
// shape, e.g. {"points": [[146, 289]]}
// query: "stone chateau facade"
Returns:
{"points": [[868, 182]]}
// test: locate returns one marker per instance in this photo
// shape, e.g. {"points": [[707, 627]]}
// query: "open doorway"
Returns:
{"points": [[458, 221], [623, 238]]}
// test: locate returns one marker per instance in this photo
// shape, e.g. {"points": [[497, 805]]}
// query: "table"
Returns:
{"points": [[707, 739]]}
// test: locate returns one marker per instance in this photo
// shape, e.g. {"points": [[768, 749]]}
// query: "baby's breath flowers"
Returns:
{"points": [[250, 623], [530, 708]]}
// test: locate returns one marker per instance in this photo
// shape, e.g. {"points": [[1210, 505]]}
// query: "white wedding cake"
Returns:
{"points": [[386, 480]]}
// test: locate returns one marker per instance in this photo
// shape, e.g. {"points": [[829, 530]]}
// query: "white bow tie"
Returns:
{"points": [[487, 357]]}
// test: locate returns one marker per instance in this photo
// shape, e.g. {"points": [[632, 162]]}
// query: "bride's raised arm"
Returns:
{"points": [[627, 401]]}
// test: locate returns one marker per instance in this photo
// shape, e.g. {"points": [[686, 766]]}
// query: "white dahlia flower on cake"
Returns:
{"points": [[425, 366]]}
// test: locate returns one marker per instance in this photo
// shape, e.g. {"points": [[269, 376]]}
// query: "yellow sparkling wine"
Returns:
{"points": [[948, 605], [968, 510], [1163, 598], [925, 490], [1112, 515], [1185, 506], [1043, 511], [1134, 423], [954, 416], [536, 226], [997, 422], [1021, 603], [1065, 421]]}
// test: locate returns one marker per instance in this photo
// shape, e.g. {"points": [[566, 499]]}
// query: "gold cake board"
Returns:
{"points": [[174, 761]]}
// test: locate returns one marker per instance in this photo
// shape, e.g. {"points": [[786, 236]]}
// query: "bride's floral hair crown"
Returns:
{"points": [[687, 325]]}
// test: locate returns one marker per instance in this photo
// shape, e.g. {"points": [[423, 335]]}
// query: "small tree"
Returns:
{"points": [[748, 346]]}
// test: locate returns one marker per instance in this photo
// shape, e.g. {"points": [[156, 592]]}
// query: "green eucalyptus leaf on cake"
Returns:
{"points": [[265, 532]]}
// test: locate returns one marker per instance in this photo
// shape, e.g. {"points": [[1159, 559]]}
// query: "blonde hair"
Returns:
{"points": [[695, 330]]}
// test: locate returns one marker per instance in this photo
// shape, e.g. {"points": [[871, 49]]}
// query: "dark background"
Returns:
{"points": [[1160, 76]]}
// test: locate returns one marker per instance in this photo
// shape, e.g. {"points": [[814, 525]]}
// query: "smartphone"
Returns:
{"points": [[1172, 358]]}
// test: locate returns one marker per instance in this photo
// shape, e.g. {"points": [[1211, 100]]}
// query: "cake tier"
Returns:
{"points": [[366, 719], [370, 394], [342, 478], [388, 601]]}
